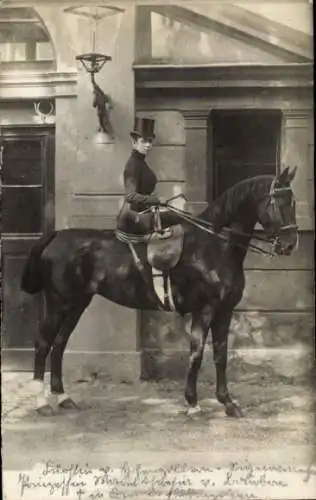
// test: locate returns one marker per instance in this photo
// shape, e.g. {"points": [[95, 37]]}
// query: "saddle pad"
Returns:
{"points": [[164, 253]]}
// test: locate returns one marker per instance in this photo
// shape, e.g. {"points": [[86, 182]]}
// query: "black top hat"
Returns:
{"points": [[144, 127]]}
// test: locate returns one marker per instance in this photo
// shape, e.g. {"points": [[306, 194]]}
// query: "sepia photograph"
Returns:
{"points": [[157, 250]]}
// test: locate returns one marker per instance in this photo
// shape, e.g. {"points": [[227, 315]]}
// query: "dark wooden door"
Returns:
{"points": [[27, 199], [246, 143]]}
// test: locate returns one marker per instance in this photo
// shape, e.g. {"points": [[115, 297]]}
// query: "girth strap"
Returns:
{"points": [[167, 293], [168, 300], [142, 271]]}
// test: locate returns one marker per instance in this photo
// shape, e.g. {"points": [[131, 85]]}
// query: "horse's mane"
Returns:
{"points": [[221, 209]]}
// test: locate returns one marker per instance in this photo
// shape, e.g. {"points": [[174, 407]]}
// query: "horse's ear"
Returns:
{"points": [[283, 176], [291, 174]]}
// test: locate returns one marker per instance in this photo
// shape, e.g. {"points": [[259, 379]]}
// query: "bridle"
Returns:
{"points": [[208, 227], [272, 202], [276, 208]]}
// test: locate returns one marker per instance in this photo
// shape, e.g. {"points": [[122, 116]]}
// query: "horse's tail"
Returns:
{"points": [[32, 279]]}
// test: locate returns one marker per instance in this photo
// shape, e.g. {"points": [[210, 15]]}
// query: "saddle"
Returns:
{"points": [[164, 245], [163, 252], [164, 249]]}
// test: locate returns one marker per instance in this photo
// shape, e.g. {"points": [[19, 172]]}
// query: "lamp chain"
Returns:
{"points": [[94, 33]]}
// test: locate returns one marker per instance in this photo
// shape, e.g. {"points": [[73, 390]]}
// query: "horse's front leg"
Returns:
{"points": [[220, 329], [198, 335]]}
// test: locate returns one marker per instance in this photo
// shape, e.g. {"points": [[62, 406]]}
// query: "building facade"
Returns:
{"points": [[230, 87]]}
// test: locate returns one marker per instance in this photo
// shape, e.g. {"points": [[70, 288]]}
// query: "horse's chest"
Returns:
{"points": [[195, 288]]}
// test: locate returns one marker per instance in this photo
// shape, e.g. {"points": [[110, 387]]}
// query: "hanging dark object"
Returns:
{"points": [[92, 63]]}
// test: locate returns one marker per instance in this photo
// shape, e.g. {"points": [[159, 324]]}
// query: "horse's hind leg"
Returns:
{"points": [[199, 331], [72, 314], [220, 328], [47, 333]]}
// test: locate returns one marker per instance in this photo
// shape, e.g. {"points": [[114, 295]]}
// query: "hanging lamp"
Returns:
{"points": [[93, 62]]}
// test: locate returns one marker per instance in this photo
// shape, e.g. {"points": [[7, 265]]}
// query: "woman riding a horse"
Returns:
{"points": [[139, 185], [70, 266]]}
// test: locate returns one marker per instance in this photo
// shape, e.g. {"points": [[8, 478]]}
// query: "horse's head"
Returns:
{"points": [[277, 213]]}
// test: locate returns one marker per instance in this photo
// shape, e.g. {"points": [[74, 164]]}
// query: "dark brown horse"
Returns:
{"points": [[72, 265]]}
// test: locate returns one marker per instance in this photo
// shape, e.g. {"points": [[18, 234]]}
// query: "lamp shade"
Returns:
{"points": [[102, 138]]}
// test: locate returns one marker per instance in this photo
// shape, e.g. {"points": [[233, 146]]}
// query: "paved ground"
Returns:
{"points": [[146, 424]]}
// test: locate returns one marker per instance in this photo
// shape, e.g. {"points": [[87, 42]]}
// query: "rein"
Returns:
{"points": [[208, 228]]}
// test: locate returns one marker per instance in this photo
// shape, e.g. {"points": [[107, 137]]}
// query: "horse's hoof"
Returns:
{"points": [[232, 410], [45, 411], [68, 404], [193, 410]]}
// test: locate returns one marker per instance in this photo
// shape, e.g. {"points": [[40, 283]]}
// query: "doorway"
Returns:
{"points": [[245, 143], [27, 200]]}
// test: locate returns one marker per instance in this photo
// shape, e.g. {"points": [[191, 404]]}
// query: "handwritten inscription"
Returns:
{"points": [[179, 481]]}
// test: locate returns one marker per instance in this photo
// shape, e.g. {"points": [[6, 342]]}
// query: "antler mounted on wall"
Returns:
{"points": [[43, 115]]}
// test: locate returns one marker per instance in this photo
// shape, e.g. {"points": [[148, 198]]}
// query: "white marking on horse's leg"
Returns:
{"points": [[41, 393], [193, 410], [38, 385]]}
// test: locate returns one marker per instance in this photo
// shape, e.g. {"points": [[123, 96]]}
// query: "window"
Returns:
{"points": [[23, 37], [22, 189]]}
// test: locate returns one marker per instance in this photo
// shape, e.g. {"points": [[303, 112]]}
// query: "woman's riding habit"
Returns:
{"points": [[139, 186]]}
